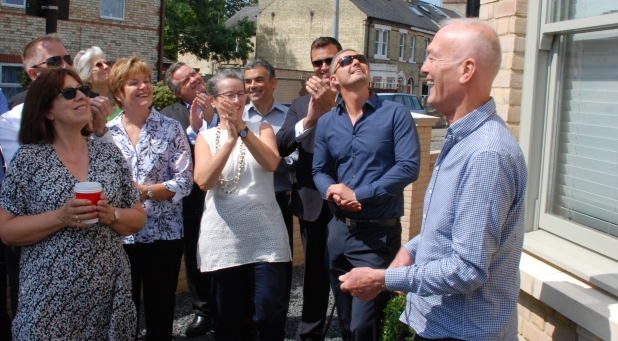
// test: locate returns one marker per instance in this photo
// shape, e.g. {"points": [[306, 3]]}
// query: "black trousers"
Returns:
{"points": [[5, 321], [316, 280], [360, 247], [13, 257], [198, 283], [155, 266], [283, 200]]}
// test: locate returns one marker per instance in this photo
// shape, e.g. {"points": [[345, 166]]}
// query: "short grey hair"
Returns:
{"points": [[174, 86], [333, 64], [254, 64], [486, 46], [213, 82], [32, 54], [83, 60]]}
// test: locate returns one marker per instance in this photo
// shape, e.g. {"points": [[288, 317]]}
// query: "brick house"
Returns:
{"points": [[393, 34], [120, 28]]}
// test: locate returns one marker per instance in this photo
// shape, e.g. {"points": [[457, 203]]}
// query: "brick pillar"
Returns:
{"points": [[414, 193], [508, 18]]}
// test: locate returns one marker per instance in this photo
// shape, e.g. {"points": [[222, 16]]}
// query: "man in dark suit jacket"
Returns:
{"points": [[188, 86], [298, 131]]}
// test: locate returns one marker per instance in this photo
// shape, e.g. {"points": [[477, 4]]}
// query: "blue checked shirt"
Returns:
{"points": [[464, 281]]}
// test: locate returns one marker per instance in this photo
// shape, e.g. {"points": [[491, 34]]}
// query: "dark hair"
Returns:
{"points": [[325, 41], [169, 74], [35, 127], [254, 64], [213, 82]]}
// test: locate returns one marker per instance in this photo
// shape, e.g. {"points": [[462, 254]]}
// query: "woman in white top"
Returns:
{"points": [[243, 240]]}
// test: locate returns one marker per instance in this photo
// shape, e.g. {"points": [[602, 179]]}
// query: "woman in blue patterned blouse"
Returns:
{"points": [[159, 158]]}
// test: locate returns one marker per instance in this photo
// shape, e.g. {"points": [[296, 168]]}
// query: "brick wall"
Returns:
{"points": [[137, 35]]}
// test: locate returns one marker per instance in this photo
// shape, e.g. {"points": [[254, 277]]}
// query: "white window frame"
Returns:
{"points": [[402, 44], [412, 49], [124, 10], [5, 85], [426, 46], [23, 5], [580, 251], [382, 45]]}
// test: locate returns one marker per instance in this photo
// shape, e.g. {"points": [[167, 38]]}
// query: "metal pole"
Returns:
{"points": [[51, 22], [336, 19]]}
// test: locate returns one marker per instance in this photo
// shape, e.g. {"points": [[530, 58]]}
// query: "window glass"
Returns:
{"points": [[578, 9], [385, 42], [584, 176], [417, 104], [398, 99], [402, 44], [112, 9], [9, 79], [14, 3], [412, 42], [407, 102], [378, 35]]}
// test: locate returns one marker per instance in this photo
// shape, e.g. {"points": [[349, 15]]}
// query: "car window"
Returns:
{"points": [[417, 103], [407, 102], [386, 97], [398, 99]]}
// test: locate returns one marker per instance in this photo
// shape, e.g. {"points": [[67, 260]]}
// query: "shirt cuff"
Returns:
{"points": [[107, 137], [172, 186], [395, 279], [301, 132], [192, 135]]}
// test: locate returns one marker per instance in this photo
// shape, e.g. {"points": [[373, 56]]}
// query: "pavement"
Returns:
{"points": [[437, 138]]}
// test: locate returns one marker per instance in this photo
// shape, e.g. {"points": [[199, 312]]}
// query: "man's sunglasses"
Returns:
{"points": [[70, 93], [56, 61], [320, 62], [347, 60]]}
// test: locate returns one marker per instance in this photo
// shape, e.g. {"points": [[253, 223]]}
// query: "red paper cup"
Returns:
{"points": [[89, 191]]}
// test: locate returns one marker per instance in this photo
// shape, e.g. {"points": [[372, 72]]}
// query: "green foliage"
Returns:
{"points": [[391, 325], [233, 6], [198, 27], [24, 79], [162, 96]]}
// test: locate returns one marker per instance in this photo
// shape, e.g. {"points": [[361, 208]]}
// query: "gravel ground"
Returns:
{"points": [[184, 314]]}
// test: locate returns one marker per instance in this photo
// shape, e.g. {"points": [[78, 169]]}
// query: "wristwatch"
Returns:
{"points": [[243, 133], [116, 216], [149, 193]]}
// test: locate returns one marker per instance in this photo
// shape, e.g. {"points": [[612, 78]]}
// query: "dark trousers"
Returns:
{"points": [[198, 283], [5, 321], [360, 247], [13, 257], [155, 266], [420, 338], [283, 199], [251, 299], [316, 280]]}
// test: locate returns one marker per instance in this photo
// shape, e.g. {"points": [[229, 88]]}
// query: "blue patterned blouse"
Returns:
{"points": [[161, 155]]}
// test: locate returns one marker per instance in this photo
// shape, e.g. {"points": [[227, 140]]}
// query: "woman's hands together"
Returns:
{"points": [[74, 211], [233, 116], [106, 212]]}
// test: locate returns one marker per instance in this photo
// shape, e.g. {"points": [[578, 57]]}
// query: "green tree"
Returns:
{"points": [[233, 6], [198, 27]]}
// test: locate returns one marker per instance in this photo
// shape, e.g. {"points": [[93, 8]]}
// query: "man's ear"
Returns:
{"points": [[468, 70], [274, 82], [32, 73], [333, 80]]}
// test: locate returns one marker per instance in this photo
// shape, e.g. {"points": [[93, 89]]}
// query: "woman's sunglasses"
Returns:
{"points": [[347, 60], [100, 64], [56, 61], [70, 93]]}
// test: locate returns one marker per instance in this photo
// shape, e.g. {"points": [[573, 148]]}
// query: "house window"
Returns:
{"points": [[577, 168], [381, 43], [9, 79], [426, 46], [112, 9], [402, 46], [14, 3], [412, 43]]}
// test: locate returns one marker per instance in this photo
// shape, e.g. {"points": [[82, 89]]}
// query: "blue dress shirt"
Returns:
{"points": [[464, 282], [377, 157], [284, 175]]}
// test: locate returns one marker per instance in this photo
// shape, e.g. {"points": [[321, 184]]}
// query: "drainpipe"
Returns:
{"points": [[335, 18], [161, 41]]}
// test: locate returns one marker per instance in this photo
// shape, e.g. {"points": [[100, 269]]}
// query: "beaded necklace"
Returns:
{"points": [[233, 182]]}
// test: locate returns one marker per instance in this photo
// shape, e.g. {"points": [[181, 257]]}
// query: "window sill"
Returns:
{"points": [[543, 278], [112, 18], [411, 62], [13, 6], [375, 56]]}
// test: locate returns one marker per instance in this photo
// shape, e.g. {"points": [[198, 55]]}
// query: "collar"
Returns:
{"points": [[276, 105], [372, 101], [471, 121]]}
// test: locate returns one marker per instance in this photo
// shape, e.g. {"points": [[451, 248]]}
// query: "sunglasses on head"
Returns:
{"points": [[320, 62], [70, 93], [347, 60], [56, 61]]}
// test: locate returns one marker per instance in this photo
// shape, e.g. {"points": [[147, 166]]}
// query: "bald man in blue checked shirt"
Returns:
{"points": [[462, 272]]}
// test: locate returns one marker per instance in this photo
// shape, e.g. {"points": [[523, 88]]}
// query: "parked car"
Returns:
{"points": [[412, 102]]}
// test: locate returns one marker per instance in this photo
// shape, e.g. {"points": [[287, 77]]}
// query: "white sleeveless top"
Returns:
{"points": [[246, 225]]}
